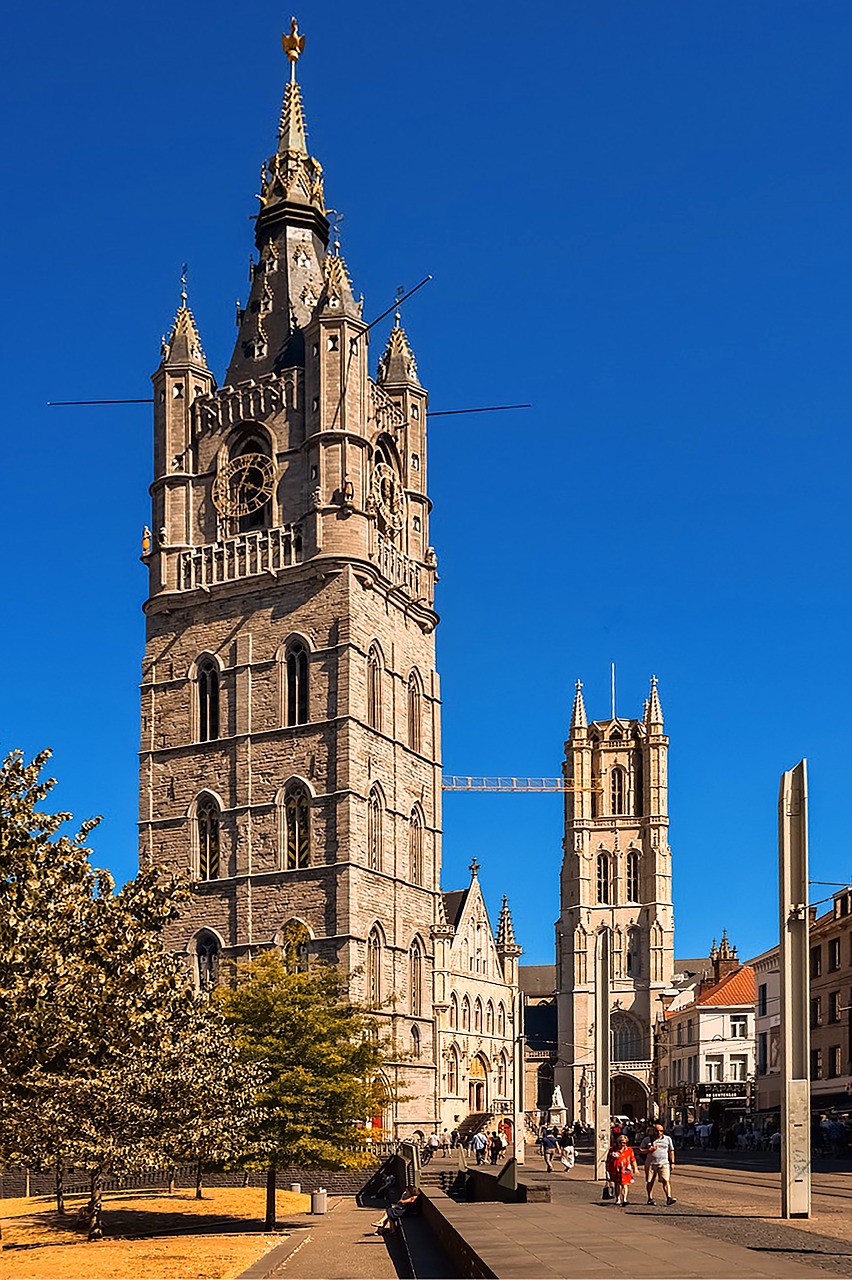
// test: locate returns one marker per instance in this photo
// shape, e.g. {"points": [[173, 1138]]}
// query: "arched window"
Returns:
{"points": [[477, 1015], [452, 1072], [297, 829], [206, 960], [374, 830], [415, 712], [374, 967], [489, 1019], [465, 1018], [626, 1039], [415, 978], [297, 683], [634, 952], [604, 879], [616, 784], [375, 668], [454, 1011], [501, 1020], [293, 941], [207, 685], [207, 826], [633, 875], [501, 1076], [415, 838], [466, 962], [415, 1043]]}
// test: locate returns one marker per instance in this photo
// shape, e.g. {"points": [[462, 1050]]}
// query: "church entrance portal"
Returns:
{"points": [[477, 1080], [629, 1098]]}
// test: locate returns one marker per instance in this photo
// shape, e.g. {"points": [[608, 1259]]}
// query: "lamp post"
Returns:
{"points": [[658, 1032]]}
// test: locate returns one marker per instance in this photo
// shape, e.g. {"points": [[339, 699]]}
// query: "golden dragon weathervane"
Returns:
{"points": [[293, 44]]}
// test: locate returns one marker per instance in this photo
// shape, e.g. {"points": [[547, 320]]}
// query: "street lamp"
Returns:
{"points": [[666, 999]]}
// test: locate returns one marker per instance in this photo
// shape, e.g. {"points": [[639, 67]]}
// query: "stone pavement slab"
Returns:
{"points": [[339, 1245]]}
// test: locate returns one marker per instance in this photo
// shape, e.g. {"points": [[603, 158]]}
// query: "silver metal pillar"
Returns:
{"points": [[518, 1132], [794, 962], [602, 1001]]}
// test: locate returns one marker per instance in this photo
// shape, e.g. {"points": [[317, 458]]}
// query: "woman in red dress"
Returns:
{"points": [[621, 1168]]}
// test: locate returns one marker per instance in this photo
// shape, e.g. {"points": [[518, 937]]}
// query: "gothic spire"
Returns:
{"points": [[578, 712], [183, 345], [654, 713], [505, 927], [397, 365], [337, 295]]}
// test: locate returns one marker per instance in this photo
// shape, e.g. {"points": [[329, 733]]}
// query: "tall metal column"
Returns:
{"points": [[518, 1104], [602, 1100], [795, 1026]]}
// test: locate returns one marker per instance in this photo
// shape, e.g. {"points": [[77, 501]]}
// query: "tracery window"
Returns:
{"points": [[415, 712], [501, 1076], [207, 685], [415, 837], [616, 784], [293, 941], [626, 1039], [375, 668], [465, 1015], [454, 1011], [374, 830], [207, 827], [489, 1019], [415, 978], [477, 1015], [374, 967], [634, 952], [501, 1020], [452, 1072], [632, 875], [297, 683], [297, 829], [206, 960], [604, 879]]}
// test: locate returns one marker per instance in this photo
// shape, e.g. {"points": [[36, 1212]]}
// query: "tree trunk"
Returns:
{"points": [[246, 1178], [60, 1187], [96, 1206], [172, 1179], [199, 1174], [27, 1187], [271, 1222]]}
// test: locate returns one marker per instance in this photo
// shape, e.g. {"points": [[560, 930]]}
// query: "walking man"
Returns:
{"points": [[658, 1149], [549, 1148], [479, 1142]]}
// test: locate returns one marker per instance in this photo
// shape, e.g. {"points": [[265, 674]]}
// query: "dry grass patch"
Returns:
{"points": [[174, 1237]]}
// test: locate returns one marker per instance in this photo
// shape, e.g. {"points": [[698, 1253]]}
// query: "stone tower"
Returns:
{"points": [[290, 704], [616, 872]]}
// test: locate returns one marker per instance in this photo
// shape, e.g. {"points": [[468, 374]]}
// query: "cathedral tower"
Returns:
{"points": [[290, 754], [616, 873]]}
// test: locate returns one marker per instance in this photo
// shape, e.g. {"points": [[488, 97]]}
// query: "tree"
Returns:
{"points": [[318, 1059]]}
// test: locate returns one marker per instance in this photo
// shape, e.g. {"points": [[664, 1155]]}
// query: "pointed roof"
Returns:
{"points": [[505, 927], [291, 127], [578, 711], [397, 365], [337, 295], [654, 713], [453, 901], [735, 988], [183, 345], [292, 177]]}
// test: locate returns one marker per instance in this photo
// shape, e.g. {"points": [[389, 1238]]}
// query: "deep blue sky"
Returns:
{"points": [[638, 218]]}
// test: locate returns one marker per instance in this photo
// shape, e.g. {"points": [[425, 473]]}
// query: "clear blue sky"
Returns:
{"points": [[637, 217]]}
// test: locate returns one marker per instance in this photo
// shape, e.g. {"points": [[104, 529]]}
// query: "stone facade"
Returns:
{"points": [[616, 873], [290, 746]]}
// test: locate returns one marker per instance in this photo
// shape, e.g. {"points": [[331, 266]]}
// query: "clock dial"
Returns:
{"points": [[244, 485], [388, 496]]}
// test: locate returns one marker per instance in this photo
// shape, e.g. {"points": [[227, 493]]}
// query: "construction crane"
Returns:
{"points": [[521, 786]]}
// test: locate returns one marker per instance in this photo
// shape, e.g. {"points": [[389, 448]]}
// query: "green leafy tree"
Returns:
{"points": [[318, 1059]]}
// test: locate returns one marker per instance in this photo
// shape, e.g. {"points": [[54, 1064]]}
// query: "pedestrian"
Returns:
{"points": [[549, 1148], [407, 1203], [445, 1143], [567, 1143], [454, 1138], [621, 1168], [495, 1147], [659, 1162], [478, 1144]]}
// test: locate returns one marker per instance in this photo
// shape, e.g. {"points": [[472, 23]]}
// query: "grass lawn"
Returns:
{"points": [[149, 1235]]}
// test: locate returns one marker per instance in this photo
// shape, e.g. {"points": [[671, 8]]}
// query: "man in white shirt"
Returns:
{"points": [[658, 1150]]}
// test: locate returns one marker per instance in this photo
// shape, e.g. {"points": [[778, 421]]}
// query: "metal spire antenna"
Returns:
{"points": [[612, 666], [183, 294]]}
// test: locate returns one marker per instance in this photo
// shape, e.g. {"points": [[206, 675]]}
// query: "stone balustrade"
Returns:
{"points": [[244, 556], [400, 570]]}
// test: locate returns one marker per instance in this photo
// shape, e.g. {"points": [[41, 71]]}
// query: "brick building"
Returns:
{"points": [[291, 713]]}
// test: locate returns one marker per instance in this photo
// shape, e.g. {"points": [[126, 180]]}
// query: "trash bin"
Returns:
{"points": [[319, 1199], [296, 1188]]}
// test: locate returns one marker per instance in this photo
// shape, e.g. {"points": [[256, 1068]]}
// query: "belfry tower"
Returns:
{"points": [[290, 754], [616, 873]]}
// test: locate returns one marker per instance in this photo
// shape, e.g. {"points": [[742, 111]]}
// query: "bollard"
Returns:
{"points": [[296, 1188], [319, 1199]]}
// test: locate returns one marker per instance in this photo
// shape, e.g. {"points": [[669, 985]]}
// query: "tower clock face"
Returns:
{"points": [[244, 485], [388, 496]]}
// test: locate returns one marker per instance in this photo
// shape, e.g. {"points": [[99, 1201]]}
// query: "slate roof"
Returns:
{"points": [[454, 902]]}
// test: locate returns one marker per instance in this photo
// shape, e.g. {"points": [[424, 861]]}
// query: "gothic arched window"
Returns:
{"points": [[415, 978], [489, 1019], [415, 712], [477, 1015], [415, 1043], [634, 952], [626, 1039], [207, 820], [465, 1018], [501, 1076], [293, 941], [374, 830], [604, 879], [297, 829], [633, 875], [206, 960], [297, 683], [374, 967], [375, 669], [452, 1072], [501, 1020], [415, 837], [454, 1011], [207, 686], [616, 785]]}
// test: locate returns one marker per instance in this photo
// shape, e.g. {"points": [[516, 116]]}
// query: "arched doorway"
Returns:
{"points": [[477, 1086], [629, 1097]]}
